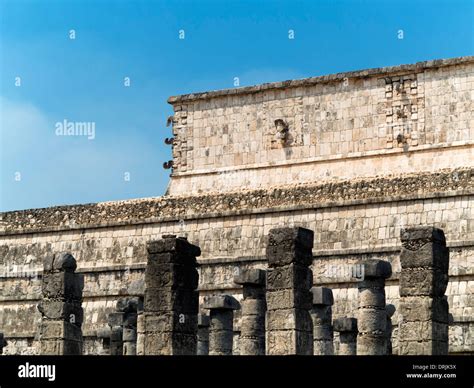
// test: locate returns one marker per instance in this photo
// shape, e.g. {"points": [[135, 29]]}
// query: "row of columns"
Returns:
{"points": [[281, 312]]}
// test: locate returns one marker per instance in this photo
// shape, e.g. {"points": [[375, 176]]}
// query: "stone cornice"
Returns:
{"points": [[380, 71], [283, 198]]}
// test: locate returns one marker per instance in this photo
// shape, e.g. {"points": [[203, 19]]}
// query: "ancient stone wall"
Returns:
{"points": [[342, 126], [353, 219]]}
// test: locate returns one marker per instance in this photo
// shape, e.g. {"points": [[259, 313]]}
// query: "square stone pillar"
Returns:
{"points": [[254, 306], [171, 301], [321, 314], [221, 329], [372, 316], [347, 329], [203, 335], [289, 328], [424, 261], [61, 306]]}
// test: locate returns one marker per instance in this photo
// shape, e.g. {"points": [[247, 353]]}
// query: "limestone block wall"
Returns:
{"points": [[355, 157], [358, 124], [361, 219]]}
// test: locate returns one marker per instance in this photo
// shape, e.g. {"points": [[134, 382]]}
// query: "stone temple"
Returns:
{"points": [[328, 215]]}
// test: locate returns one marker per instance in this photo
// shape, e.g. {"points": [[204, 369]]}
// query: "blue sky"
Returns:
{"points": [[82, 79]]}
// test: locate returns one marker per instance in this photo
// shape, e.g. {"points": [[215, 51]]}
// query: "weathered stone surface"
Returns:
{"points": [[222, 302], [173, 244], [63, 261], [291, 276], [170, 344], [321, 315], [60, 307], [174, 276], [435, 347], [424, 331], [221, 328], [377, 269], [417, 308], [203, 335], [254, 307], [253, 292], [129, 335], [183, 301], [129, 348], [424, 247], [372, 321], [171, 302], [348, 343], [290, 319], [252, 325], [252, 346], [251, 276], [370, 344], [285, 342], [203, 320], [3, 342], [115, 319], [289, 298], [322, 296], [57, 309], [55, 347], [104, 332], [58, 329], [252, 321], [129, 304], [290, 245], [345, 324], [370, 298], [372, 315], [390, 309], [415, 238], [221, 320], [65, 285], [423, 280], [170, 322]]}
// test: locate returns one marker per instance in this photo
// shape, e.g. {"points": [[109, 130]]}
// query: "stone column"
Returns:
{"points": [[171, 300], [347, 329], [390, 310], [129, 307], [115, 321], [140, 329], [3, 343], [289, 328], [254, 306], [221, 329], [104, 334], [321, 314], [424, 261], [203, 335], [372, 316], [61, 306]]}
